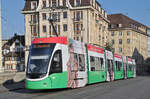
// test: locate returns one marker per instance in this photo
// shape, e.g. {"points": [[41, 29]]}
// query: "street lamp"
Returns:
{"points": [[1, 67]]}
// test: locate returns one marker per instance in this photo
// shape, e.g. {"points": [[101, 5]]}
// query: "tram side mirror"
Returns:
{"points": [[92, 68]]}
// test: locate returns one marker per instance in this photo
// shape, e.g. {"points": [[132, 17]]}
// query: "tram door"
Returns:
{"points": [[125, 71], [110, 68], [125, 67], [110, 72], [81, 74]]}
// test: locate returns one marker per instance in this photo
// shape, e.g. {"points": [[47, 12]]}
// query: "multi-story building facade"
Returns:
{"points": [[83, 20], [13, 53], [127, 35], [148, 42]]}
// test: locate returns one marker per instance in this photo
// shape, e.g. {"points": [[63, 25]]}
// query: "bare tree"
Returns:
{"points": [[109, 47]]}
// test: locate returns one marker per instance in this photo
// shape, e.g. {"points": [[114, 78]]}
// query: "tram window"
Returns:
{"points": [[102, 63], [81, 62], [56, 64], [118, 66], [97, 64], [130, 68], [92, 63]]}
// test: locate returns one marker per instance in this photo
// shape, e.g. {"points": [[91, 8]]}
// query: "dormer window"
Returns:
{"points": [[44, 3], [119, 25], [78, 2], [53, 3], [50, 3], [64, 3], [33, 5]]}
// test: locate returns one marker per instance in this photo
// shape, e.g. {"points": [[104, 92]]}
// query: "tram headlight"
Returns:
{"points": [[53, 77]]}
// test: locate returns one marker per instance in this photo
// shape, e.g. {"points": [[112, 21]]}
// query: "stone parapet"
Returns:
{"points": [[11, 77]]}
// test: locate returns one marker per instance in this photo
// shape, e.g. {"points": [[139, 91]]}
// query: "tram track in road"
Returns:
{"points": [[84, 92], [45, 92], [87, 92]]}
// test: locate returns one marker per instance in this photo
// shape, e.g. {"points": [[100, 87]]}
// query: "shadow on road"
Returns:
{"points": [[11, 85], [19, 87]]}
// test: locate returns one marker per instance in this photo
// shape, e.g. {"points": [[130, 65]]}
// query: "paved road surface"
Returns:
{"points": [[137, 88]]}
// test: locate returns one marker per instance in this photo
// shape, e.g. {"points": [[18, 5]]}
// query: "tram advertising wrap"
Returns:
{"points": [[60, 62]]}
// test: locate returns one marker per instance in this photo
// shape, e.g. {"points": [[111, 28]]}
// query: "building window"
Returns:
{"points": [[34, 29], [55, 16], [77, 38], [50, 29], [120, 41], [44, 3], [65, 27], [64, 3], [113, 49], [34, 5], [77, 27], [78, 3], [53, 3], [49, 3], [65, 15], [81, 26], [112, 33], [44, 16], [81, 39], [44, 28], [113, 42], [55, 29], [120, 33], [128, 33], [78, 15], [81, 14], [34, 19], [128, 41], [120, 50], [17, 44], [92, 2], [58, 29], [58, 3]]}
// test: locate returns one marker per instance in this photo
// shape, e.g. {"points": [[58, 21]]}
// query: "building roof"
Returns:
{"points": [[15, 54], [21, 38], [125, 21], [27, 6]]}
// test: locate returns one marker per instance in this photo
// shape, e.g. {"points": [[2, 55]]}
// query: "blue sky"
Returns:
{"points": [[138, 10], [13, 20]]}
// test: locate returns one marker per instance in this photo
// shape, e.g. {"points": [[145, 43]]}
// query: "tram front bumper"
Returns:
{"points": [[41, 84]]}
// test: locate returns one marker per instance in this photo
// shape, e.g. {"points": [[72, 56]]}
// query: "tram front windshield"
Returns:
{"points": [[40, 55]]}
